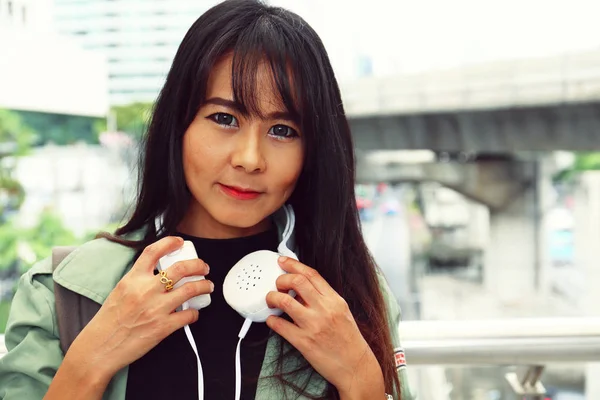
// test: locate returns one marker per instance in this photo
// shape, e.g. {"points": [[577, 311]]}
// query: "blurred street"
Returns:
{"points": [[387, 236], [452, 293]]}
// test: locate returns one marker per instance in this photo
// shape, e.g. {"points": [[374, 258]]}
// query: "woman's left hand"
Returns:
{"points": [[324, 331]]}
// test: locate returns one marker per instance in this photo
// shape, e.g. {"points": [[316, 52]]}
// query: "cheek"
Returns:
{"points": [[287, 176], [190, 154], [198, 153]]}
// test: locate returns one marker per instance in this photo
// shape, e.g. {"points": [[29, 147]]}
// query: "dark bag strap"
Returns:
{"points": [[73, 311]]}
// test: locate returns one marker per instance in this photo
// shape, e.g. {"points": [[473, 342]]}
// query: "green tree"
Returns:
{"points": [[62, 129], [50, 231], [15, 140], [20, 248], [583, 162], [587, 162], [133, 118], [9, 244], [15, 135]]}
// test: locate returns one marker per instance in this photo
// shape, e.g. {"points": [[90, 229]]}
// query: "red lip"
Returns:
{"points": [[239, 193]]}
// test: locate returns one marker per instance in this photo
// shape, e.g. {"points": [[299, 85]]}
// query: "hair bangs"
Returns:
{"points": [[264, 44]]}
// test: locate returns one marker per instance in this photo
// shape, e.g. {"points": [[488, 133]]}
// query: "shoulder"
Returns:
{"points": [[94, 268], [92, 250], [95, 249], [392, 306], [39, 281], [33, 299]]}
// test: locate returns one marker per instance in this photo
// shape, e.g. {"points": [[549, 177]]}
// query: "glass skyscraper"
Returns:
{"points": [[139, 38]]}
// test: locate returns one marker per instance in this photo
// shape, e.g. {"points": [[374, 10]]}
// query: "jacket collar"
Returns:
{"points": [[94, 268]]}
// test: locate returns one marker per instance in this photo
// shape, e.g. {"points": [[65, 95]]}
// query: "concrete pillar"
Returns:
{"points": [[587, 239], [510, 258], [517, 261], [546, 198], [587, 243]]}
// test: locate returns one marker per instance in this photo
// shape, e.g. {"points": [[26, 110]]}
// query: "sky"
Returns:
{"points": [[403, 36]]}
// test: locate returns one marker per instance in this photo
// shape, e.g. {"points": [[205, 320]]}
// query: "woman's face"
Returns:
{"points": [[239, 169]]}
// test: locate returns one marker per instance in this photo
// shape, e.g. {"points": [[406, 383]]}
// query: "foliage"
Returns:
{"points": [[15, 140], [49, 232], [14, 133], [63, 129], [133, 118], [12, 194], [583, 162], [9, 240], [20, 248], [587, 162]]}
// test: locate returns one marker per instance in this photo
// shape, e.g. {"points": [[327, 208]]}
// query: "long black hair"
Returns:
{"points": [[328, 232]]}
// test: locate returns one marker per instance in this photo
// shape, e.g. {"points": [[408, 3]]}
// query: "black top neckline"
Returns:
{"points": [[249, 239]]}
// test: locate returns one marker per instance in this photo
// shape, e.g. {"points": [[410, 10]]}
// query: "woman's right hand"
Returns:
{"points": [[139, 313]]}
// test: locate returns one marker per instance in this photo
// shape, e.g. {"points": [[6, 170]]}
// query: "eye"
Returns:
{"points": [[224, 119], [283, 131]]}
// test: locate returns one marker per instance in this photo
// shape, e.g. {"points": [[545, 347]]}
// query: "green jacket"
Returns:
{"points": [[93, 270]]}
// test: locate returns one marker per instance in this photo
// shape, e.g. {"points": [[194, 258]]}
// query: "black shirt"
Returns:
{"points": [[169, 370]]}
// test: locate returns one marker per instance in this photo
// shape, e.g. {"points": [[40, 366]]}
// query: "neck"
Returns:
{"points": [[197, 222]]}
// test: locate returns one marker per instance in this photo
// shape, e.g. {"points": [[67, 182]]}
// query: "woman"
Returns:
{"points": [[250, 118]]}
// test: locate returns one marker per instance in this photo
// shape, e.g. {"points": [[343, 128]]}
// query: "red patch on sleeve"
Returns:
{"points": [[399, 358]]}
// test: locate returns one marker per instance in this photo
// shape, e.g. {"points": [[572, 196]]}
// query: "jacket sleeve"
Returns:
{"points": [[31, 338], [394, 318]]}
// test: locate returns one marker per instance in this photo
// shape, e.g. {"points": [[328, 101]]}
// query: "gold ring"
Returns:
{"points": [[164, 279]]}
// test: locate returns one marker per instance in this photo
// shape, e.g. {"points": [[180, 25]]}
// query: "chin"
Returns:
{"points": [[242, 220]]}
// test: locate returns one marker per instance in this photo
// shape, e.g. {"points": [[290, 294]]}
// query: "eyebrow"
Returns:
{"points": [[219, 101]]}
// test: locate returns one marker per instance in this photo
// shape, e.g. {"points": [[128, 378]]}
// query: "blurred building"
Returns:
{"points": [[87, 186], [44, 72], [25, 13], [138, 37]]}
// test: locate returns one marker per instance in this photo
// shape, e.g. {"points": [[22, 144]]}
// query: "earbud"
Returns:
{"points": [[246, 285], [186, 252]]}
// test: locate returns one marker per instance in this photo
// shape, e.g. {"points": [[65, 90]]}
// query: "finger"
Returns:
{"points": [[188, 290], [152, 253], [179, 319], [288, 305], [286, 330], [299, 284], [300, 300], [182, 269], [296, 267]]}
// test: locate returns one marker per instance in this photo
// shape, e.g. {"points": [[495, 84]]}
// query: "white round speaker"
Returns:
{"points": [[246, 285]]}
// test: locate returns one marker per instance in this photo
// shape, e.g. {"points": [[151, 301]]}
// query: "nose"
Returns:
{"points": [[248, 154]]}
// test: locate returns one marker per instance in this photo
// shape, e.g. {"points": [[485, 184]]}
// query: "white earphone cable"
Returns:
{"points": [[190, 337], [283, 248], [238, 362]]}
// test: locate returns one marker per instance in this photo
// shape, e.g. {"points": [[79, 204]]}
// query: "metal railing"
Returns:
{"points": [[533, 343], [502, 342]]}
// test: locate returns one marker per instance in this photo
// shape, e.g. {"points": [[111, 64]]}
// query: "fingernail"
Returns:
{"points": [[207, 268], [180, 240], [282, 259], [212, 286]]}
